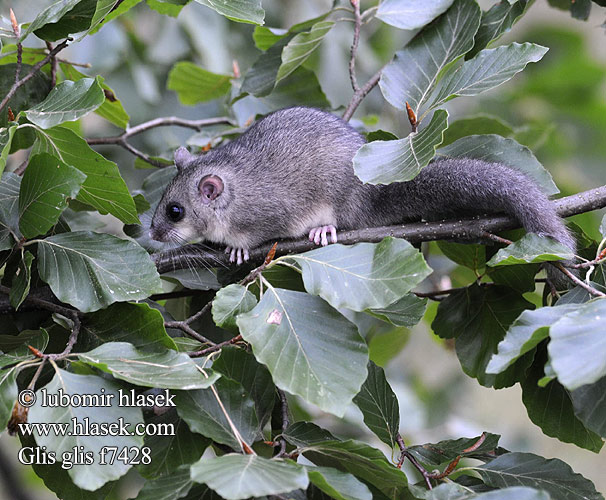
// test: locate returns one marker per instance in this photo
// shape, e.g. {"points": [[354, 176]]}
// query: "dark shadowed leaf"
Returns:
{"points": [[298, 337], [527, 469], [237, 477], [362, 276], [10, 185], [205, 415], [435, 454], [384, 162], [138, 324], [407, 311], [481, 124], [92, 270], [166, 369], [45, 188], [168, 487], [168, 453], [21, 280], [415, 70], [478, 318], [551, 408], [379, 405], [363, 461], [590, 405], [8, 394]]}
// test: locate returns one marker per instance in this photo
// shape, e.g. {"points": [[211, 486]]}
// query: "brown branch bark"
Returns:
{"points": [[461, 230]]}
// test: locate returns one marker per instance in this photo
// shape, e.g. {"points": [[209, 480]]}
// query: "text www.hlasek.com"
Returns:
{"points": [[88, 428]]}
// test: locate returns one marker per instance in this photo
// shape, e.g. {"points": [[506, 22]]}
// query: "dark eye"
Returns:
{"points": [[175, 212]]}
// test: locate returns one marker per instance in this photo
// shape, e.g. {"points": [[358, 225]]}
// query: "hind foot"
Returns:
{"points": [[237, 255], [318, 234]]}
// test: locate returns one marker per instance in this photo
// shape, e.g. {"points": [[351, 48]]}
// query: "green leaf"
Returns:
{"points": [[379, 405], [64, 17], [229, 302], [298, 337], [46, 186], [8, 394], [21, 280], [162, 369], [302, 434], [137, 324], [205, 415], [497, 20], [29, 94], [407, 311], [481, 124], [260, 79], [410, 14], [520, 278], [194, 84], [168, 452], [489, 69], [9, 209], [104, 189], [301, 47], [524, 334], [577, 350], [364, 275], [91, 270], [590, 405], [551, 408], [167, 7], [111, 109], [6, 140], [435, 454], [415, 70], [478, 318], [68, 101], [337, 484], [531, 248], [362, 461], [266, 37], [471, 256], [168, 487], [497, 149], [243, 11], [386, 346], [115, 11], [95, 475], [241, 366], [527, 469], [242, 476], [384, 162]]}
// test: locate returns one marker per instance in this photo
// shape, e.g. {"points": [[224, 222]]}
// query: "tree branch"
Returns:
{"points": [[354, 46], [464, 229], [360, 94], [32, 72]]}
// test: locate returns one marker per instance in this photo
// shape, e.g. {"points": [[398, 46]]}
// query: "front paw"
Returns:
{"points": [[319, 234], [237, 255]]}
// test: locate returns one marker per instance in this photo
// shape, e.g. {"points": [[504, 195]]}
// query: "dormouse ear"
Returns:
{"points": [[182, 158], [210, 187]]}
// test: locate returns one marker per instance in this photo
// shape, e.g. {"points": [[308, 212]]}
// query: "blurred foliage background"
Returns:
{"points": [[556, 107]]}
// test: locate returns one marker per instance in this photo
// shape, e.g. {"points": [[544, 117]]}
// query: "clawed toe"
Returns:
{"points": [[319, 235], [237, 255]]}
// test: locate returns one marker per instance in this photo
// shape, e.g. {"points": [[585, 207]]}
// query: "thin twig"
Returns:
{"points": [[33, 71], [215, 348], [285, 421], [404, 453], [360, 94], [577, 281], [17, 33], [354, 46], [53, 65]]}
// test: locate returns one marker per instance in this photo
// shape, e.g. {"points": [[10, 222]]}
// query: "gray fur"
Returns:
{"points": [[288, 171]]}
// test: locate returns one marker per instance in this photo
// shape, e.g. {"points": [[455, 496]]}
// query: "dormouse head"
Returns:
{"points": [[194, 202]]}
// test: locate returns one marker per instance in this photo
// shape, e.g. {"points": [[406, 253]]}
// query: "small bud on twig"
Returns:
{"points": [[11, 115], [15, 24], [411, 117], [236, 69]]}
